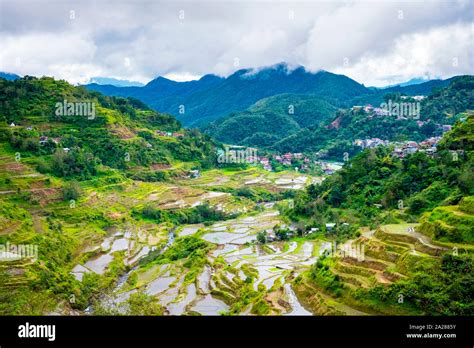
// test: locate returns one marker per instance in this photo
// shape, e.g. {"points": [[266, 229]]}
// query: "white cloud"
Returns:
{"points": [[436, 53], [142, 39]]}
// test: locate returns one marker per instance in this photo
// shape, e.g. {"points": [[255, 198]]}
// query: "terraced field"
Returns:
{"points": [[235, 264], [390, 252]]}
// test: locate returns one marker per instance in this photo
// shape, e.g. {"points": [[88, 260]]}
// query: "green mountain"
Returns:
{"points": [[271, 119], [336, 135], [212, 97], [406, 267], [120, 133], [8, 76]]}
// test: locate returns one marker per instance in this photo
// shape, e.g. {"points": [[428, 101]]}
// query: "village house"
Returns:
{"points": [[368, 108], [194, 173], [410, 147], [370, 143], [271, 237], [398, 152], [313, 230], [328, 171], [381, 112], [446, 128]]}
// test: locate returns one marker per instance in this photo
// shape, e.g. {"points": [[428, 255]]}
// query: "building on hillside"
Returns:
{"points": [[381, 112], [270, 237], [368, 108], [398, 152], [370, 143], [419, 97], [329, 171], [161, 133], [446, 127], [43, 140], [194, 173]]}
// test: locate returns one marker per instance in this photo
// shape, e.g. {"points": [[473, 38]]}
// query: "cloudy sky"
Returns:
{"points": [[376, 43]]}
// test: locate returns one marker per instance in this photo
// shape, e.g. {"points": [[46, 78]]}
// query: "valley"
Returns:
{"points": [[131, 214]]}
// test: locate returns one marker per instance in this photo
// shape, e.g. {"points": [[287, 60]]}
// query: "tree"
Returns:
{"points": [[72, 190], [262, 237]]}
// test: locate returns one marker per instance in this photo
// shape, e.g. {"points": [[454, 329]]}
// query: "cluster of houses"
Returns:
{"points": [[326, 167], [370, 143], [44, 139], [428, 146], [402, 149], [371, 110], [265, 162], [288, 157], [291, 230], [169, 134], [286, 160]]}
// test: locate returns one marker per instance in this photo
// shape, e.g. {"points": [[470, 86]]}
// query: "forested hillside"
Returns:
{"points": [[212, 97], [409, 268], [272, 119], [122, 133]]}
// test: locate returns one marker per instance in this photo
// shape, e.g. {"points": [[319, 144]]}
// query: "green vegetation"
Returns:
{"points": [[120, 135], [201, 213], [412, 269], [262, 124], [317, 125]]}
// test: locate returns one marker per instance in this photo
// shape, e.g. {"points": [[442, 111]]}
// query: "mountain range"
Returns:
{"points": [[267, 91], [196, 103]]}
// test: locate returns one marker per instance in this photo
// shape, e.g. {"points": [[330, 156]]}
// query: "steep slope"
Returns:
{"points": [[402, 267], [271, 119], [212, 97], [120, 133], [444, 106]]}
